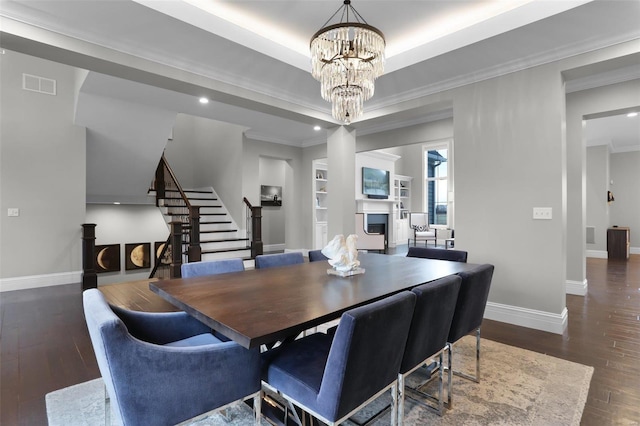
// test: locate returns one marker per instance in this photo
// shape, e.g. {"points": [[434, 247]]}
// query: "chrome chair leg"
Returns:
{"points": [[475, 379], [394, 404], [400, 399], [257, 408], [449, 350], [440, 386]]}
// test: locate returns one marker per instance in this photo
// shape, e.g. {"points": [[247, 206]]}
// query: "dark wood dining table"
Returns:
{"points": [[260, 306]]}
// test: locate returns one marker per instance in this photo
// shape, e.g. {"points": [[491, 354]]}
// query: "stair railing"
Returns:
{"points": [[160, 263], [254, 227], [189, 215]]}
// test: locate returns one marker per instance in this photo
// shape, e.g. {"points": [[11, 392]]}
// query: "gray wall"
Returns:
{"points": [[127, 224], [273, 172], [253, 151], [580, 105], [509, 159], [625, 210], [597, 187], [205, 153], [42, 170], [509, 156]]}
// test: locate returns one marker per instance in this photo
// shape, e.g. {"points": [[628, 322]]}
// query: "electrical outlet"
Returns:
{"points": [[13, 212], [542, 213]]}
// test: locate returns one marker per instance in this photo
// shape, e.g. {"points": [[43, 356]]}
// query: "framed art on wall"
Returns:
{"points": [[158, 247], [136, 256], [270, 195], [107, 258]]}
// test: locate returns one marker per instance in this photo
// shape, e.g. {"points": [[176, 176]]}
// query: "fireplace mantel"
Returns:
{"points": [[371, 205]]}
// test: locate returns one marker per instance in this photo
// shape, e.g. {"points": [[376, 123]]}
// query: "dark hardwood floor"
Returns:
{"points": [[44, 344]]}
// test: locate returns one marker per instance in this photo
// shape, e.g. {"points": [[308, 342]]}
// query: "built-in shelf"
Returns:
{"points": [[320, 181], [402, 207]]}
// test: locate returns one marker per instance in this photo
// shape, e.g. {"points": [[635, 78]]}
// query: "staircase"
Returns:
{"points": [[219, 234]]}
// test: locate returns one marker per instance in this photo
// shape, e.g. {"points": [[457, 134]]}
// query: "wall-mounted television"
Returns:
{"points": [[375, 183]]}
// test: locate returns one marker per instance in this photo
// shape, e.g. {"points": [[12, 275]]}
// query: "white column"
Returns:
{"points": [[341, 185]]}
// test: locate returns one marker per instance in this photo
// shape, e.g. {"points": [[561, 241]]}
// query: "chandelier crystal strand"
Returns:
{"points": [[347, 58]]}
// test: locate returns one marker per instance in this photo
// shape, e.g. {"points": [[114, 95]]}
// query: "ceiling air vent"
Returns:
{"points": [[38, 84]]}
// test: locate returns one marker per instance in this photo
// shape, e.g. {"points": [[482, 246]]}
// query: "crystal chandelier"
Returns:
{"points": [[346, 58]]}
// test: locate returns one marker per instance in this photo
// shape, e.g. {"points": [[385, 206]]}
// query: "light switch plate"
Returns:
{"points": [[542, 213], [13, 212]]}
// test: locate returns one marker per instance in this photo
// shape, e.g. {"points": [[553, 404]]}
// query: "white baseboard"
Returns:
{"points": [[602, 254], [539, 320], [598, 254], [36, 281], [273, 247], [576, 288]]}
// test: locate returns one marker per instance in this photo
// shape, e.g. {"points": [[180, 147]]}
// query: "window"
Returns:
{"points": [[436, 172]]}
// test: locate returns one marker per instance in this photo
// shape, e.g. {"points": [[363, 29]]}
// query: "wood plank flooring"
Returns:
{"points": [[44, 344]]}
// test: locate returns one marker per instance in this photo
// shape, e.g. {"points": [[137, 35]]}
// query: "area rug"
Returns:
{"points": [[517, 387]]}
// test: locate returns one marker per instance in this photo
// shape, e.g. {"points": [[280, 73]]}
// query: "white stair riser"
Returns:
{"points": [[226, 255], [223, 245], [217, 227]]}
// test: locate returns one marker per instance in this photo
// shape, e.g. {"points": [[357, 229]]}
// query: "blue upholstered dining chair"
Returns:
{"points": [[439, 254], [435, 304], [331, 376], [317, 256], [164, 368], [264, 261], [211, 267], [470, 306]]}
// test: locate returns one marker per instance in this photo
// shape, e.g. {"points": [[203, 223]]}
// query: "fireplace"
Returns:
{"points": [[378, 218], [376, 223]]}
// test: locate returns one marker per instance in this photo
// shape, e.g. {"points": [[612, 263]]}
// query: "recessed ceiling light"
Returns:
{"points": [[317, 128], [632, 114], [204, 100], [117, 203]]}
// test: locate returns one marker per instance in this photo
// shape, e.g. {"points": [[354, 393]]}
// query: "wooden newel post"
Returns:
{"points": [[195, 251], [89, 275], [159, 184], [256, 231], [176, 249]]}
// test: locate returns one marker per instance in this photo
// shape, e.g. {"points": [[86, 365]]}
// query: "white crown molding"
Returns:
{"points": [[319, 140], [539, 320], [37, 281], [380, 155], [623, 149], [577, 288], [222, 80], [392, 125], [267, 138], [508, 68], [619, 75]]}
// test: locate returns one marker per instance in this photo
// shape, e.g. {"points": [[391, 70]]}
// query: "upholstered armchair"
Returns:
{"points": [[419, 224], [165, 368]]}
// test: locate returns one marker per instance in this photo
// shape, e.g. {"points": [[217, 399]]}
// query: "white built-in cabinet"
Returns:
{"points": [[402, 207], [401, 201], [320, 180]]}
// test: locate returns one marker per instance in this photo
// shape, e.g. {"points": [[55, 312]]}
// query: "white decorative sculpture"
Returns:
{"points": [[343, 255]]}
